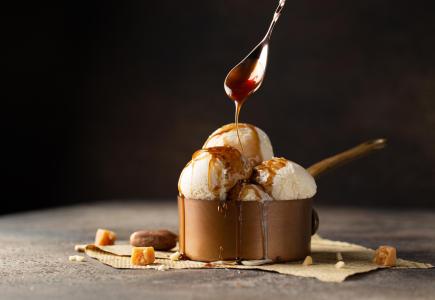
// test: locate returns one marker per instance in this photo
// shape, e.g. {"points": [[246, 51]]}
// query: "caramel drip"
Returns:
{"points": [[239, 230], [252, 147], [232, 162], [224, 129], [264, 227], [236, 119], [271, 167], [257, 193], [212, 165]]}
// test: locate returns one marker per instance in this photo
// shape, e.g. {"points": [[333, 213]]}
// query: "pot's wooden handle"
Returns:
{"points": [[346, 156]]}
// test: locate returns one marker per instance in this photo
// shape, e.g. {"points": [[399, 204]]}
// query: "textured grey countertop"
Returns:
{"points": [[34, 250]]}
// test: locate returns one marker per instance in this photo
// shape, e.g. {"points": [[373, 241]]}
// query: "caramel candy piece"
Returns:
{"points": [[308, 261], [385, 256], [105, 237], [142, 256], [159, 239]]}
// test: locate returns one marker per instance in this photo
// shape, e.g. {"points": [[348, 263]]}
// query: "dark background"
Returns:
{"points": [[108, 101]]}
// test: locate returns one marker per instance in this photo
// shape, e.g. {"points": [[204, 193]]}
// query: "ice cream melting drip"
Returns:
{"points": [[263, 209], [264, 228], [239, 230]]}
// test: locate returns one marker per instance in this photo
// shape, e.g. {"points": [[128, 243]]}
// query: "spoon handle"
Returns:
{"points": [[346, 156], [274, 19]]}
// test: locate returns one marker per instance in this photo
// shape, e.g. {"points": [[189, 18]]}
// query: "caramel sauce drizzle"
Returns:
{"points": [[271, 166], [254, 143], [222, 158]]}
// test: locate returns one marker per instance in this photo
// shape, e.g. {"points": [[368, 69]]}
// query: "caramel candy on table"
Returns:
{"points": [[385, 256], [142, 256], [105, 237], [308, 261]]}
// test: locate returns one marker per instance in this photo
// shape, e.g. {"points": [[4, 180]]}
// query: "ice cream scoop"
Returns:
{"points": [[212, 172], [284, 180], [255, 142], [248, 192]]}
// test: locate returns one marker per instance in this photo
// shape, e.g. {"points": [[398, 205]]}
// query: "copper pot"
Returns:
{"points": [[212, 230]]}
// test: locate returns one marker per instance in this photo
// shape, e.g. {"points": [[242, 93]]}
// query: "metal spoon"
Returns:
{"points": [[246, 77]]}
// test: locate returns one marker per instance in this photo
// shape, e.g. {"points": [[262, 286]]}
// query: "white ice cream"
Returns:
{"points": [[212, 173], [285, 180], [255, 142], [248, 192]]}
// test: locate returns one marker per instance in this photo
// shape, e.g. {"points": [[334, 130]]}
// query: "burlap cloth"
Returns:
{"points": [[357, 259]]}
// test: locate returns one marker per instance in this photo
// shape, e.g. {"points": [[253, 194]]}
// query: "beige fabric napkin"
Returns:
{"points": [[357, 259]]}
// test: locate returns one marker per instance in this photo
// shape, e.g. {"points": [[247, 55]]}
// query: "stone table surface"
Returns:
{"points": [[35, 247]]}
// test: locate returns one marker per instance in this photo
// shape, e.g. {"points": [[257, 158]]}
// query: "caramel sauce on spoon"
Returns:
{"points": [[247, 76]]}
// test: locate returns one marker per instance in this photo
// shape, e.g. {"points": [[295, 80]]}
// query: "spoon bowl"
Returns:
{"points": [[248, 75]]}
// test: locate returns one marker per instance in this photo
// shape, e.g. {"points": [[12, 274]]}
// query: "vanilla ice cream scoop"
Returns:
{"points": [[255, 142], [212, 172], [284, 179], [248, 192]]}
